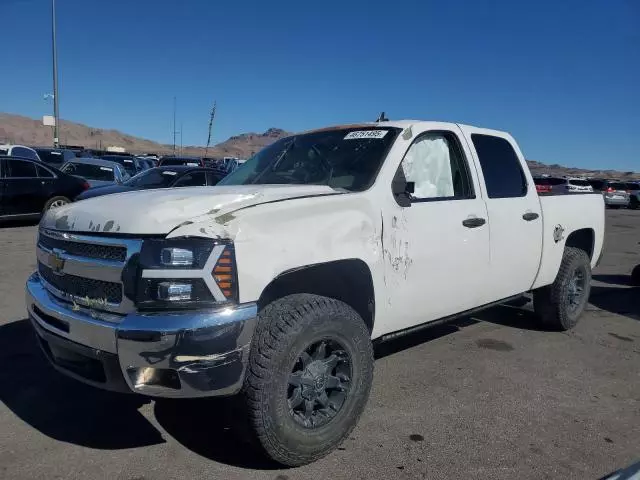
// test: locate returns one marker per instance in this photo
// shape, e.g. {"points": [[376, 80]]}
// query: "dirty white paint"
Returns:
{"points": [[159, 211], [424, 263]]}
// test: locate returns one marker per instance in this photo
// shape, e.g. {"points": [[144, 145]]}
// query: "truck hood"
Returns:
{"points": [[160, 211]]}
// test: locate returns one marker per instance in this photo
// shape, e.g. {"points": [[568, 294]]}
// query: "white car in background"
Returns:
{"points": [[19, 151]]}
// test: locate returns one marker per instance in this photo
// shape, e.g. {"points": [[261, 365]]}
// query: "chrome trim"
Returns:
{"points": [[88, 267], [207, 350], [75, 303], [83, 328]]}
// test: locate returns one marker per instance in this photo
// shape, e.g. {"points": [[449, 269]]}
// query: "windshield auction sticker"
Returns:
{"points": [[365, 134]]}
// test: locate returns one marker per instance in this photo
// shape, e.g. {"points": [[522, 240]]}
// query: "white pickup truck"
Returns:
{"points": [[274, 284]]}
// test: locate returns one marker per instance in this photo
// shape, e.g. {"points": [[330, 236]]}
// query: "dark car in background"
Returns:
{"points": [[96, 171], [173, 160], [633, 189], [55, 157], [28, 188], [614, 192], [131, 164], [161, 177]]}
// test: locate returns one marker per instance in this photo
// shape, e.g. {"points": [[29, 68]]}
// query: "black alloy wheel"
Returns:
{"points": [[319, 383]]}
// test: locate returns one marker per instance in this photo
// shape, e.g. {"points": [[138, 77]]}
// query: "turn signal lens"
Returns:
{"points": [[224, 273]]}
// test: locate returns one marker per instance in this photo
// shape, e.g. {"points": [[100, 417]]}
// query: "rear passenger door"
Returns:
{"points": [[515, 217], [22, 187]]}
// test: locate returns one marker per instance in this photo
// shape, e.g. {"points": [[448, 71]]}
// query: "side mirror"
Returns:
{"points": [[402, 189], [410, 187]]}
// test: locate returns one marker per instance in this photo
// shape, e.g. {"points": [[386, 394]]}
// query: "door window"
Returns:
{"points": [[23, 152], [436, 165], [194, 179], [43, 172], [501, 167], [21, 169]]}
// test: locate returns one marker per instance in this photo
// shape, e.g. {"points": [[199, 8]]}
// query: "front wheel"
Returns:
{"points": [[56, 202], [309, 376], [561, 304]]}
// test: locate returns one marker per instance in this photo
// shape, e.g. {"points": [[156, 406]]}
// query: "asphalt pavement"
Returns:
{"points": [[490, 397]]}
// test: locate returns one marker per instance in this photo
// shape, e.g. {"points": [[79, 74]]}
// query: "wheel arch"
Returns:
{"points": [[584, 239], [348, 280]]}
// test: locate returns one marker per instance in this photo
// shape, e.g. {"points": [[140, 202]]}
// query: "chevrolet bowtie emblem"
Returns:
{"points": [[56, 262]]}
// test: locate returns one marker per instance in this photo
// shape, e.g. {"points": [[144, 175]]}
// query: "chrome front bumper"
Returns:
{"points": [[178, 354]]}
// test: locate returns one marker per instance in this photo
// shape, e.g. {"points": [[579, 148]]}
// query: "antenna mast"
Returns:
{"points": [[213, 114]]}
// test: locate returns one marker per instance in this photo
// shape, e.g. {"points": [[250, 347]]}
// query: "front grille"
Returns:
{"points": [[82, 287], [89, 250]]}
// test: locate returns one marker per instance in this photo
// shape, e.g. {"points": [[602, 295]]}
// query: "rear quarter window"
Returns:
{"points": [[501, 167]]}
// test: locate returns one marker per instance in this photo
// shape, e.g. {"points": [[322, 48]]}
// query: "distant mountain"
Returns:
{"points": [[27, 131]]}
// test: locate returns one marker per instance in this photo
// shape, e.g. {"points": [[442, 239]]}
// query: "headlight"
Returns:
{"points": [[186, 273]]}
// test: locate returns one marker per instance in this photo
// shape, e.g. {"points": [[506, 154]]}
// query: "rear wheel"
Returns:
{"points": [[561, 304], [634, 203], [309, 376], [56, 202]]}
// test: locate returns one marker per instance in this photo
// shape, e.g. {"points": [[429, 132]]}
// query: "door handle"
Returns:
{"points": [[474, 222], [530, 216]]}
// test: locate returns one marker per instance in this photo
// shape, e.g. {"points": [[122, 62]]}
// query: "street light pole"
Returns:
{"points": [[56, 113]]}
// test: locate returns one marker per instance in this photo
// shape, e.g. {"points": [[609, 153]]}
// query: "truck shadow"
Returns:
{"points": [[64, 409], [68, 411], [623, 301], [212, 428]]}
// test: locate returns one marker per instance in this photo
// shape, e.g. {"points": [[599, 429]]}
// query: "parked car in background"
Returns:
{"points": [[55, 157], [19, 151], [28, 188], [131, 164], [189, 161], [545, 185], [633, 189], [161, 177], [614, 192], [558, 185], [96, 171]]}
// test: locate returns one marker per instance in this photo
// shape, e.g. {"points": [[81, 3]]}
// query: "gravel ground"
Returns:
{"points": [[488, 397]]}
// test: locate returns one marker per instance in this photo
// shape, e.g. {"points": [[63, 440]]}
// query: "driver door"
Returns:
{"points": [[436, 245]]}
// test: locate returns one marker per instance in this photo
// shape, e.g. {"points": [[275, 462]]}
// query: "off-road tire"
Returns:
{"points": [[552, 304], [635, 276], [53, 200], [285, 328]]}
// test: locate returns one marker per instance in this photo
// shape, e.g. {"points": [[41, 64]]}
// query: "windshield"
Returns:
{"points": [[126, 162], [51, 156], [579, 183], [153, 178], [340, 158], [89, 171]]}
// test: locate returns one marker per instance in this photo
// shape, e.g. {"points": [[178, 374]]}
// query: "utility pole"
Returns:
{"points": [[213, 114], [181, 127], [56, 112], [174, 126]]}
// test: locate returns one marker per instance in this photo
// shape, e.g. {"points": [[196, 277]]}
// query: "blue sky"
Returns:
{"points": [[561, 76]]}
